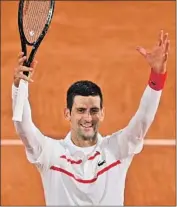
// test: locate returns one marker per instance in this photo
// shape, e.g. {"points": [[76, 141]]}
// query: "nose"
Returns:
{"points": [[87, 117]]}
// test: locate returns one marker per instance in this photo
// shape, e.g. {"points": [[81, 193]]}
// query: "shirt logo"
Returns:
{"points": [[101, 162]]}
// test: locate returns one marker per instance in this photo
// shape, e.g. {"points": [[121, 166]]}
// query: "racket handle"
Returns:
{"points": [[27, 64], [26, 73], [21, 95]]}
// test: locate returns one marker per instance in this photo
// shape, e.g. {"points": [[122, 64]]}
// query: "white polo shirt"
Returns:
{"points": [[95, 175]]}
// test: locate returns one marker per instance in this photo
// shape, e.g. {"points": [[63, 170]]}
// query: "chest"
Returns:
{"points": [[89, 178], [94, 169]]}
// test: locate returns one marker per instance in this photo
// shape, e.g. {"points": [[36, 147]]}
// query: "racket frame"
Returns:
{"points": [[24, 41], [23, 85]]}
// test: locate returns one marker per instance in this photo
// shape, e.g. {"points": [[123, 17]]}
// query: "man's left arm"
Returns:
{"points": [[129, 141]]}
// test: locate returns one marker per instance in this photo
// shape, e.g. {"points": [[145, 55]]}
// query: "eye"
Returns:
{"points": [[94, 110], [81, 110]]}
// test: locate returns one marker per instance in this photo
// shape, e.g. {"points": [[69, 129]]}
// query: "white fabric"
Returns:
{"points": [[18, 110], [71, 175]]}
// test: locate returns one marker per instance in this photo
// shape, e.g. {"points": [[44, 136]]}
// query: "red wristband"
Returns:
{"points": [[157, 80]]}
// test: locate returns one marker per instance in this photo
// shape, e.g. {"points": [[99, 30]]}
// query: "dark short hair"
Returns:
{"points": [[83, 88]]}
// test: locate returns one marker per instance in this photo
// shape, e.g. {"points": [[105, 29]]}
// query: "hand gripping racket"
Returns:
{"points": [[34, 19]]}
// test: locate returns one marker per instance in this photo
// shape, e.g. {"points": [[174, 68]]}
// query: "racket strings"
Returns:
{"points": [[35, 14]]}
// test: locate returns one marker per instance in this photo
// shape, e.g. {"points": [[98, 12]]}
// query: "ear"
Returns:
{"points": [[102, 114], [67, 114]]}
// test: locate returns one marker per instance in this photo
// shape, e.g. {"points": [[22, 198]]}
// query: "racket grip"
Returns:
{"points": [[21, 95], [26, 73], [27, 64]]}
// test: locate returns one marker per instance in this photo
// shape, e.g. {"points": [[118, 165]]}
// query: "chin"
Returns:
{"points": [[89, 136]]}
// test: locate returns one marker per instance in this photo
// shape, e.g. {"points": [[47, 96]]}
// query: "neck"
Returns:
{"points": [[80, 142]]}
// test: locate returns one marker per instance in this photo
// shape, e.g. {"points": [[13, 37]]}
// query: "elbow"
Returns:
{"points": [[146, 119], [142, 128]]}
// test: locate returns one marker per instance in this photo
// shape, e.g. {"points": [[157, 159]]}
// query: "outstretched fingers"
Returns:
{"points": [[160, 40], [167, 46], [165, 38], [166, 51], [142, 51]]}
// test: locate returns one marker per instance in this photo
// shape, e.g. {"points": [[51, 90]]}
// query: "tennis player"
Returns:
{"points": [[85, 168]]}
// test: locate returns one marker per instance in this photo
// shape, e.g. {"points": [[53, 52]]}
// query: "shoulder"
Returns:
{"points": [[113, 135], [53, 143], [111, 142]]}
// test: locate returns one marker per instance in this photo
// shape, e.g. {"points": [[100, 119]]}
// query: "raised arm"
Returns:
{"points": [[33, 140], [129, 141]]}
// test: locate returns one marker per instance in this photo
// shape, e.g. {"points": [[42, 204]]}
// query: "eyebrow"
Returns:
{"points": [[95, 107]]}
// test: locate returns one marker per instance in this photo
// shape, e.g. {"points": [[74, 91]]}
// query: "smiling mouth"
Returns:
{"points": [[87, 126]]}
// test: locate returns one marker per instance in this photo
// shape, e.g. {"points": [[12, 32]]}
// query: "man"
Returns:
{"points": [[85, 168]]}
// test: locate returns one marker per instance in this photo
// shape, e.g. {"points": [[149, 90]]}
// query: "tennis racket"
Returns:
{"points": [[34, 19]]}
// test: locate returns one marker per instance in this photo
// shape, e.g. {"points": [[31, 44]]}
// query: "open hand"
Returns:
{"points": [[157, 58]]}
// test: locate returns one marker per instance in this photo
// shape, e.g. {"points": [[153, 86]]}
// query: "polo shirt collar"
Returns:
{"points": [[96, 147], [99, 137]]}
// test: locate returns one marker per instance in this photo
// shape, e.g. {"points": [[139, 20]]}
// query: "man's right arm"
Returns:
{"points": [[38, 147], [31, 137]]}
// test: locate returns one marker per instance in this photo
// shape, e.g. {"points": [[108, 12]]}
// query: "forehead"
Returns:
{"points": [[86, 101]]}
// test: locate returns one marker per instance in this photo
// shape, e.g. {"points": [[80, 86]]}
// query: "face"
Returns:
{"points": [[85, 117]]}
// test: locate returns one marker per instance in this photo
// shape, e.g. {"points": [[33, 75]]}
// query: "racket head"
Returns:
{"points": [[34, 18]]}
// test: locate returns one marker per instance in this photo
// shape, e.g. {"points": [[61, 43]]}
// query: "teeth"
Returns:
{"points": [[86, 126]]}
